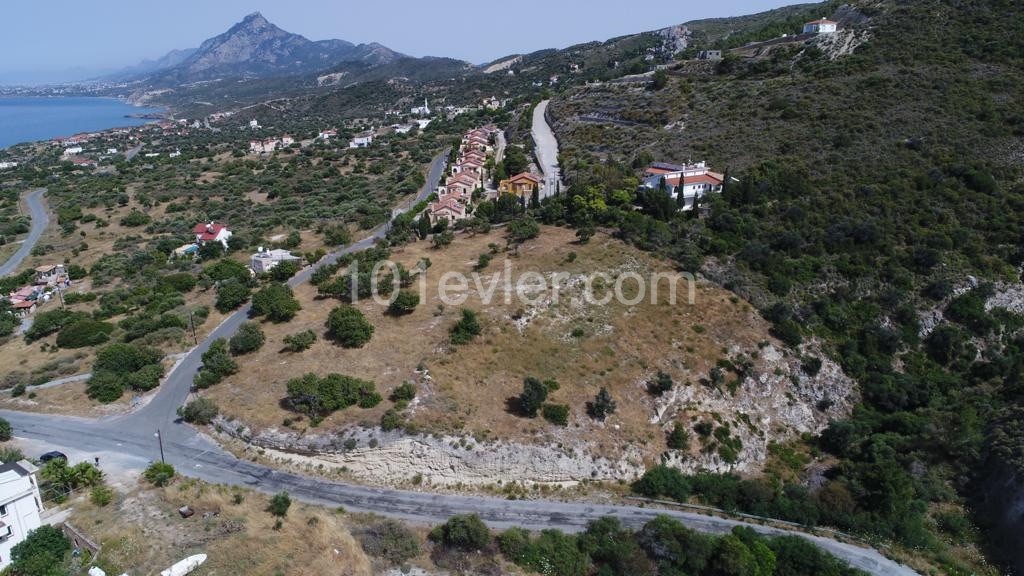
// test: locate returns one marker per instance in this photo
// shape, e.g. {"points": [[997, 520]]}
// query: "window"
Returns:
{"points": [[3, 509]]}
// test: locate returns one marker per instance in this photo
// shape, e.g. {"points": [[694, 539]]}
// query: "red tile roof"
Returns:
{"points": [[208, 232]]}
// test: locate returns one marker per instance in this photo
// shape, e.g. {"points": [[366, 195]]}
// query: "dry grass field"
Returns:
{"points": [[467, 389]]}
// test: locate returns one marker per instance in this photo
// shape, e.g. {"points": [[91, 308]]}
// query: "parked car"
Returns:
{"points": [[54, 455]]}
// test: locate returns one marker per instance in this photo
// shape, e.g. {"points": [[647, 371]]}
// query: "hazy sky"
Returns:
{"points": [[58, 35]]}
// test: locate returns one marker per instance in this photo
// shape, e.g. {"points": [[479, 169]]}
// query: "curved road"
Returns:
{"points": [[40, 220], [132, 437], [546, 149]]}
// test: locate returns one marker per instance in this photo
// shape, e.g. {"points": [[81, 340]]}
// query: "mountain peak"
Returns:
{"points": [[254, 21]]}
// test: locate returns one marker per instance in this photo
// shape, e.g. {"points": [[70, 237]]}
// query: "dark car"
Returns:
{"points": [[54, 455]]}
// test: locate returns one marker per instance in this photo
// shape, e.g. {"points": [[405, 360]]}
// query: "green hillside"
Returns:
{"points": [[871, 185]]}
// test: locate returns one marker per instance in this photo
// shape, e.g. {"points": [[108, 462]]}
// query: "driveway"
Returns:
{"points": [[40, 220], [546, 150]]}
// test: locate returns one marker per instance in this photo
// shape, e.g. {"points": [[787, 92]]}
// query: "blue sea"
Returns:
{"points": [[31, 119]]}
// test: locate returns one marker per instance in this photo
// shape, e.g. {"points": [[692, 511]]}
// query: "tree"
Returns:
{"points": [[159, 474], [275, 301], [585, 232], [389, 540], [659, 80], [231, 295], [5, 430], [285, 270], [557, 414], [249, 338], [217, 365], [602, 406], [678, 438], [660, 384], [42, 553], [347, 326], [391, 420], [533, 396], [405, 302], [300, 341], [467, 328], [462, 531], [443, 238], [85, 332], [522, 229], [279, 504], [199, 411], [404, 392]]}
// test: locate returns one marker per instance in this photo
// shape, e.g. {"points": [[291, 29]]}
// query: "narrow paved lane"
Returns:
{"points": [[546, 150], [40, 220], [133, 437]]}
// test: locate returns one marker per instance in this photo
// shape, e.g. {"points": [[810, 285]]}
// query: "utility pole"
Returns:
{"points": [[160, 439]]}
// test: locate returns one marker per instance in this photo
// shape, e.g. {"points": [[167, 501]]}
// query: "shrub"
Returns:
{"points": [[406, 391], [391, 420], [85, 332], [299, 341], [318, 396], [463, 531], [46, 323], [41, 553], [678, 438], [660, 384], [101, 495], [125, 358], [217, 365], [285, 270], [390, 541], [105, 387], [145, 378], [249, 338], [279, 504], [602, 406], [181, 282], [405, 302], [134, 219], [275, 301], [199, 411], [533, 396], [466, 329], [159, 474], [230, 296], [348, 327], [557, 414], [76, 272], [226, 269], [5, 430]]}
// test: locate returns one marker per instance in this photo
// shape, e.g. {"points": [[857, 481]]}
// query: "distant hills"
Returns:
{"points": [[255, 48]]}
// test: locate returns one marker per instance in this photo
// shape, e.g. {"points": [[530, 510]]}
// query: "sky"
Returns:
{"points": [[61, 39]]}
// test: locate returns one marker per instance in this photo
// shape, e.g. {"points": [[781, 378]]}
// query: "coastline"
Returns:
{"points": [[133, 115]]}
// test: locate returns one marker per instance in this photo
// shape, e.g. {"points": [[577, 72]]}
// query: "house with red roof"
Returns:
{"points": [[212, 232], [522, 184], [693, 181], [448, 208]]}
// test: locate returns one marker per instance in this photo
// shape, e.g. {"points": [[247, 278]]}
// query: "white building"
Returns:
{"points": [[263, 146], [328, 134], [20, 506], [265, 260], [287, 140], [361, 141], [72, 150], [820, 26], [6, 165], [254, 124], [175, 154], [690, 180], [422, 110]]}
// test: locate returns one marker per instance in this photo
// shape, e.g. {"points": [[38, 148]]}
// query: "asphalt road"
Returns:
{"points": [[546, 150], [131, 440], [40, 220]]}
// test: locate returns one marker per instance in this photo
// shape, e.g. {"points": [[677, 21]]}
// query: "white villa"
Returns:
{"points": [[820, 26], [20, 506], [422, 110], [363, 141], [266, 260], [690, 180]]}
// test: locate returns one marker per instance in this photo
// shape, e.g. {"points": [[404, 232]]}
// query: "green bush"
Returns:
{"points": [[466, 329], [42, 553], [660, 384], [557, 414], [405, 391], [602, 406], [248, 339], [391, 420], [300, 341], [405, 302], [217, 365], [532, 397], [159, 474], [46, 323], [279, 504], [464, 531], [199, 411], [134, 219], [390, 541], [319, 396], [180, 282], [348, 327], [678, 438], [5, 430], [101, 495], [275, 301], [231, 295]]}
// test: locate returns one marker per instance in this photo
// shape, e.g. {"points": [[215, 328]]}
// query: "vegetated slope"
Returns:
{"points": [[728, 373], [871, 184]]}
